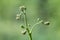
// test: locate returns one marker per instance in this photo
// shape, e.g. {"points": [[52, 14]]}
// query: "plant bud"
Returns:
{"points": [[22, 26], [46, 23], [22, 8], [18, 15], [24, 32], [17, 18]]}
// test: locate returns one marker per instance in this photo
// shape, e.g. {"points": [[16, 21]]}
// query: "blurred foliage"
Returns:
{"points": [[48, 10]]}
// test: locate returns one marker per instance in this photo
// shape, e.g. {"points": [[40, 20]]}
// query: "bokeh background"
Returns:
{"points": [[47, 10]]}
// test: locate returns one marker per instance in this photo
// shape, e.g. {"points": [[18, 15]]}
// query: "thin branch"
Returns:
{"points": [[36, 24], [27, 27]]}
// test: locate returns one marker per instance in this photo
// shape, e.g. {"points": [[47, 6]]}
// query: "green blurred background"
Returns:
{"points": [[47, 10]]}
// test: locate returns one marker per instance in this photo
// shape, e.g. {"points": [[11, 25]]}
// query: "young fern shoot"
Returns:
{"points": [[26, 27]]}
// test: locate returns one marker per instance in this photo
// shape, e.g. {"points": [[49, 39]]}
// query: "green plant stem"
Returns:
{"points": [[27, 27], [35, 25]]}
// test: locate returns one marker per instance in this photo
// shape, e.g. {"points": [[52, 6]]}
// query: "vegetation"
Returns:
{"points": [[23, 11], [38, 13]]}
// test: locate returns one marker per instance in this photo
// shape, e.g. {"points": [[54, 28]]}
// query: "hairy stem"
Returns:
{"points": [[27, 27], [35, 25]]}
